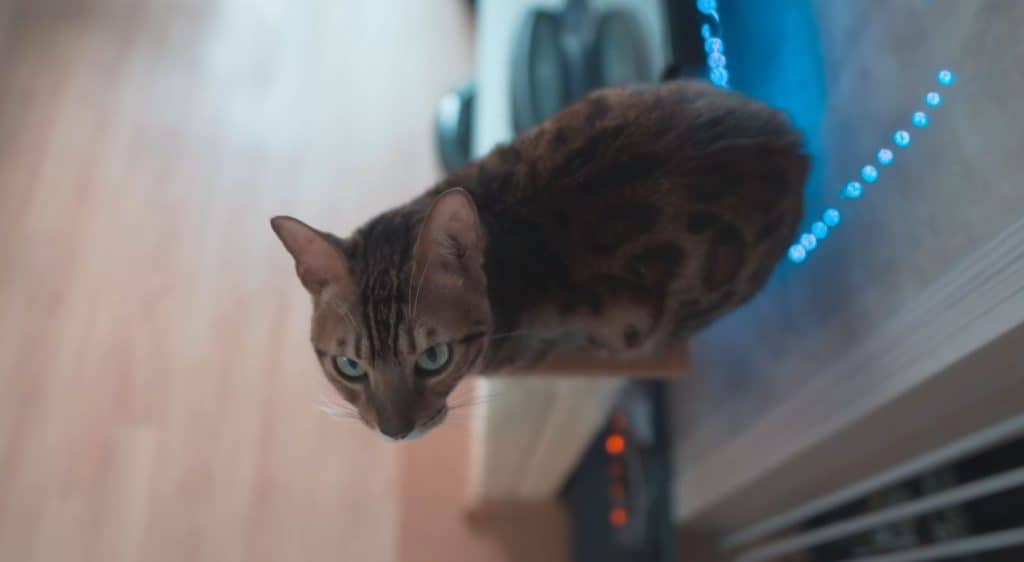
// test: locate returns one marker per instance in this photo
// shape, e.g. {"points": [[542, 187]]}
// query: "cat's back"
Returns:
{"points": [[675, 162], [674, 135], [648, 210], [682, 143]]}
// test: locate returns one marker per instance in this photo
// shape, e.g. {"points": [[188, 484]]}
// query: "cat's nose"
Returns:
{"points": [[397, 436], [397, 431]]}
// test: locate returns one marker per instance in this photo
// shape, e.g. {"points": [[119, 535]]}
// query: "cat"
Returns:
{"points": [[621, 225]]}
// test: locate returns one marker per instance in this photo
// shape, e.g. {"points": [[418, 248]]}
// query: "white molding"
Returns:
{"points": [[974, 303], [531, 433]]}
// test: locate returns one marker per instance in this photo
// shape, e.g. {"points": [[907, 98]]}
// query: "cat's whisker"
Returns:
{"points": [[337, 410], [330, 410], [471, 402], [458, 420], [343, 310], [466, 406], [336, 415], [536, 333], [507, 334], [351, 321], [408, 298], [462, 392], [477, 397], [419, 285], [466, 393], [460, 417]]}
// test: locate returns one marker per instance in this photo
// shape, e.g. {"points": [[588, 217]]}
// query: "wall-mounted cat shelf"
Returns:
{"points": [[671, 365]]}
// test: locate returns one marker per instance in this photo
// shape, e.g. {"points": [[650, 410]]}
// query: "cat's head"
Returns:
{"points": [[400, 309]]}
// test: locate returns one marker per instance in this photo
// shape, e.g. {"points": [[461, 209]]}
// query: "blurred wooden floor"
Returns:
{"points": [[158, 391]]}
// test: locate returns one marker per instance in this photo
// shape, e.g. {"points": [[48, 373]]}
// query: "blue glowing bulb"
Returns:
{"points": [[716, 59], [853, 190], [901, 138], [797, 253], [819, 230], [919, 119], [719, 76], [933, 99], [945, 77], [830, 217], [869, 173], [808, 241], [713, 45], [707, 6], [705, 31], [885, 156]]}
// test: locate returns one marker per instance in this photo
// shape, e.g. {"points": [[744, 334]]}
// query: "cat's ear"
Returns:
{"points": [[317, 261], [451, 238]]}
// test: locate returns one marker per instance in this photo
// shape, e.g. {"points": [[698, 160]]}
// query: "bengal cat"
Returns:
{"points": [[621, 225]]}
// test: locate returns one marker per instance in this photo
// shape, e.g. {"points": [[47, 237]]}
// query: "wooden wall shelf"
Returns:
{"points": [[671, 365]]}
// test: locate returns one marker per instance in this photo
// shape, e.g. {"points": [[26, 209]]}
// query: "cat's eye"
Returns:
{"points": [[433, 360], [349, 368]]}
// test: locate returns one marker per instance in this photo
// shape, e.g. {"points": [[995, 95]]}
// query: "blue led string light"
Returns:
{"points": [[714, 47], [885, 156], [807, 242], [869, 173]]}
